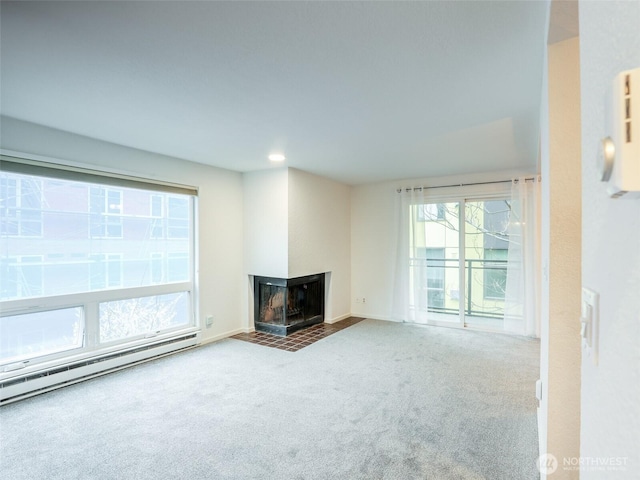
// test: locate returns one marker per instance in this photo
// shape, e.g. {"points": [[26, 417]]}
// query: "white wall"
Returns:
{"points": [[266, 217], [373, 238], [299, 224], [220, 267], [372, 244], [561, 232], [320, 236], [610, 413]]}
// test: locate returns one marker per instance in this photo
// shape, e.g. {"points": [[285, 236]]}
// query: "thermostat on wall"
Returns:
{"points": [[619, 154]]}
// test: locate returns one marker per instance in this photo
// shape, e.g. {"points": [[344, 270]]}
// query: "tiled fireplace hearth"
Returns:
{"points": [[283, 306]]}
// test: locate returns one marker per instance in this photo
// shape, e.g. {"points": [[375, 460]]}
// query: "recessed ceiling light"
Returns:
{"points": [[276, 157]]}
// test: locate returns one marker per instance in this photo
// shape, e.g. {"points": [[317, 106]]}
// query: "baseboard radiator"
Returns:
{"points": [[19, 388]]}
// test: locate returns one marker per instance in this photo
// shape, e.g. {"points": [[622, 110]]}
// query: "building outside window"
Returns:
{"points": [[106, 212], [20, 207], [105, 271], [22, 276], [157, 214], [430, 212], [177, 218]]}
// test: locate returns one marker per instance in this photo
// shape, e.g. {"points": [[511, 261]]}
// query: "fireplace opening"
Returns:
{"points": [[282, 306]]}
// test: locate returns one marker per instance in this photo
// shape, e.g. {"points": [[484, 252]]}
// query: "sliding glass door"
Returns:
{"points": [[435, 262], [458, 264], [485, 256]]}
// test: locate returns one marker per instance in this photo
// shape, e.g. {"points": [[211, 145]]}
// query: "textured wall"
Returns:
{"points": [[372, 256], [266, 246], [561, 232], [299, 224], [320, 235], [609, 43], [220, 208]]}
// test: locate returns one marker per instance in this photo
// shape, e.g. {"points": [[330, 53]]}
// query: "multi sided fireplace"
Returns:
{"points": [[282, 306]]}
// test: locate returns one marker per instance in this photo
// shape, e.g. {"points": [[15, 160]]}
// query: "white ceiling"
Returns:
{"points": [[355, 91]]}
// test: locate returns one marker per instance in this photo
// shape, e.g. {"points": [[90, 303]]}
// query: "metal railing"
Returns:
{"points": [[434, 281]]}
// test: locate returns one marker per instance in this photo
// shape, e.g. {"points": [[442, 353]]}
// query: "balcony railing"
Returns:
{"points": [[434, 298]]}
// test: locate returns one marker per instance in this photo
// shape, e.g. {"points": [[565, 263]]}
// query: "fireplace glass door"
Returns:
{"points": [[285, 305]]}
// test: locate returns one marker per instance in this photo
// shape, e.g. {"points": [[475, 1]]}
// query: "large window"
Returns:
{"points": [[88, 266]]}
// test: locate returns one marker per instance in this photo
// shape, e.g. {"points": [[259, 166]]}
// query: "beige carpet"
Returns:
{"points": [[377, 400]]}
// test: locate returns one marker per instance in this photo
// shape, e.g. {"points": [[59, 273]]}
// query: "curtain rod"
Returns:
{"points": [[528, 179]]}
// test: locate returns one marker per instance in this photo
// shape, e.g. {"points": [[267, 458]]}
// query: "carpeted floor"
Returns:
{"points": [[377, 400]]}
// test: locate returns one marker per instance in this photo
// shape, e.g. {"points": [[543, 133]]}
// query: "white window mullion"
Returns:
{"points": [[462, 261], [70, 300], [91, 325]]}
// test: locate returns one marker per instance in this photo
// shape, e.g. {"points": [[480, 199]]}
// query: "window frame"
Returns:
{"points": [[89, 301], [495, 191]]}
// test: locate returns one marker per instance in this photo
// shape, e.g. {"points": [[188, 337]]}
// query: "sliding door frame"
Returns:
{"points": [[462, 256]]}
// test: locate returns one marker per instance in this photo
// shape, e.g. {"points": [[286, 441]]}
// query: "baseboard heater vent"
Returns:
{"points": [[12, 390]]}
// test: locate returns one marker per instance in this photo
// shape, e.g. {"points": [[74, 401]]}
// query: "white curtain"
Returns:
{"points": [[522, 295], [415, 208], [410, 276]]}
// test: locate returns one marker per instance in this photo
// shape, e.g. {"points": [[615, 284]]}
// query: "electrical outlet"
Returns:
{"points": [[364, 300], [209, 320]]}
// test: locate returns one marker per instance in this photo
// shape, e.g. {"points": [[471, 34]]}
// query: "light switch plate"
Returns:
{"points": [[590, 323]]}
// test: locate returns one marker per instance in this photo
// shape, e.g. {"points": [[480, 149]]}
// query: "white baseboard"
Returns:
{"points": [[228, 334], [338, 319], [374, 317]]}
